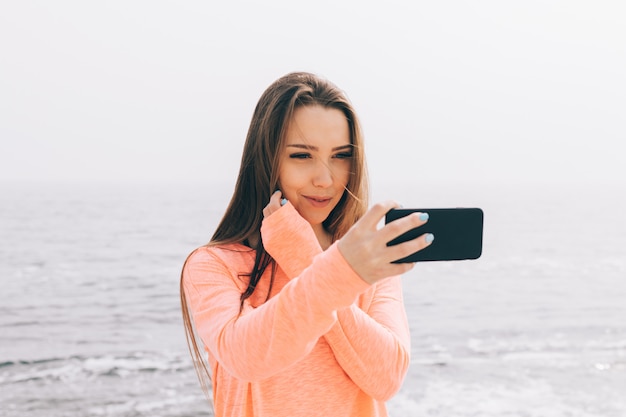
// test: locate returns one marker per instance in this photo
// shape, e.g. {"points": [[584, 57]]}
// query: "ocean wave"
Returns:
{"points": [[596, 350], [74, 368], [558, 343], [519, 396]]}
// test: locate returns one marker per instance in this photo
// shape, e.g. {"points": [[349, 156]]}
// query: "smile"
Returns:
{"points": [[318, 202]]}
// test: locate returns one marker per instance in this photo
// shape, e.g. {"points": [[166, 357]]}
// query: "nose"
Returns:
{"points": [[323, 176]]}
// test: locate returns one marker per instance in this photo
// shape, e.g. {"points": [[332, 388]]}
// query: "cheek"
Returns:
{"points": [[289, 181], [342, 175]]}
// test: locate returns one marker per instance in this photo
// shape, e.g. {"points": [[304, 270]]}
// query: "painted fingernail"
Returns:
{"points": [[429, 238], [423, 216], [283, 201]]}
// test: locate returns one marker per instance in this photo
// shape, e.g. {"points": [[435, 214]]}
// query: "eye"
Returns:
{"points": [[344, 155], [300, 155]]}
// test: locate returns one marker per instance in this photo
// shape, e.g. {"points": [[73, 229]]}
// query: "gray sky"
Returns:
{"points": [[452, 90]]}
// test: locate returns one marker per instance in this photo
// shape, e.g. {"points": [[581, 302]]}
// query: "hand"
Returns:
{"points": [[274, 204], [365, 246]]}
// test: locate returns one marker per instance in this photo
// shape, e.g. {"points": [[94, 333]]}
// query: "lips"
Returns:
{"points": [[318, 201]]}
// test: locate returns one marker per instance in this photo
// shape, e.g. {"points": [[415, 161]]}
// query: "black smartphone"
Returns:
{"points": [[458, 233]]}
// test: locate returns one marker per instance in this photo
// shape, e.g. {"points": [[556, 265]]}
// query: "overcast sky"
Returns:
{"points": [[447, 90]]}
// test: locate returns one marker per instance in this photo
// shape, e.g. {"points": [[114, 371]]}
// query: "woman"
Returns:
{"points": [[295, 298]]}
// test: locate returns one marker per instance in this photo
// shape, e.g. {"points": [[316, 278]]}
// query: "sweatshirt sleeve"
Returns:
{"points": [[290, 240], [282, 330], [372, 346]]}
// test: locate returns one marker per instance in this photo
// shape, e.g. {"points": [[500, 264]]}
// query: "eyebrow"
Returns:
{"points": [[315, 148]]}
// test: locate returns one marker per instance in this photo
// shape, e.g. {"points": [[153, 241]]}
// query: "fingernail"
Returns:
{"points": [[423, 216], [283, 201], [429, 238]]}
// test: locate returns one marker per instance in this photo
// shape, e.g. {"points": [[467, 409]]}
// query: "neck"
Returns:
{"points": [[323, 237]]}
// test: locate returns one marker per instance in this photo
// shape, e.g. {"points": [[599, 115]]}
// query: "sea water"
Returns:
{"points": [[90, 321]]}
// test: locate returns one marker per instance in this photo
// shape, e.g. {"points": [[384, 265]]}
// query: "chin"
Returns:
{"points": [[313, 216], [315, 219]]}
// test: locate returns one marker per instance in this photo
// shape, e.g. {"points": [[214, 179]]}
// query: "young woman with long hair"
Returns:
{"points": [[295, 299]]}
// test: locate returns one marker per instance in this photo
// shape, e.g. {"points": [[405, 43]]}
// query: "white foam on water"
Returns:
{"points": [[524, 398]]}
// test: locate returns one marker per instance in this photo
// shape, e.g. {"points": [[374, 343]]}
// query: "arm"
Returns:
{"points": [[371, 346], [290, 240], [265, 340]]}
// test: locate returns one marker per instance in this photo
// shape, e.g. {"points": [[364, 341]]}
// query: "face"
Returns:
{"points": [[316, 161]]}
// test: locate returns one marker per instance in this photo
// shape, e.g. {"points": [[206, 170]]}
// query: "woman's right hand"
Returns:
{"points": [[274, 204], [365, 245]]}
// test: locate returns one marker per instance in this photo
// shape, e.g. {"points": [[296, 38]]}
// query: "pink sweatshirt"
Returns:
{"points": [[325, 344]]}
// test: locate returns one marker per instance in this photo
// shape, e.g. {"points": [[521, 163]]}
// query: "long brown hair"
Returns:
{"points": [[258, 179]]}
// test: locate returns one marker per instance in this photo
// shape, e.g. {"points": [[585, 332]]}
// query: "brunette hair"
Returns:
{"points": [[258, 179]]}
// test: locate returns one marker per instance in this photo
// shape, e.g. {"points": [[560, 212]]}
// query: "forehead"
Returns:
{"points": [[318, 125]]}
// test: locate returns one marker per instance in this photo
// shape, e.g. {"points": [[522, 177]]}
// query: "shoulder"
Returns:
{"points": [[228, 255], [205, 262], [219, 252]]}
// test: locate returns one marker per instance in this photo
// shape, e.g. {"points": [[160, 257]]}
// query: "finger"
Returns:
{"points": [[275, 198], [274, 203], [399, 269], [373, 216], [392, 269], [404, 249], [402, 225]]}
